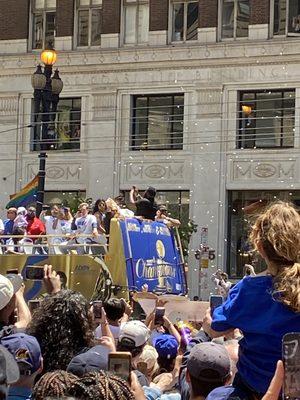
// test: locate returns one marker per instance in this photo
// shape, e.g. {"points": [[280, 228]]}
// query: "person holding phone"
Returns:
{"points": [[267, 306]]}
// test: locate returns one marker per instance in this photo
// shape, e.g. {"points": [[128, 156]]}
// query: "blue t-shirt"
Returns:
{"points": [[8, 227], [251, 307]]}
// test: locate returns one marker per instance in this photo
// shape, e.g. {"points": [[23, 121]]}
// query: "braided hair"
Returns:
{"points": [[102, 386], [63, 326], [53, 384]]}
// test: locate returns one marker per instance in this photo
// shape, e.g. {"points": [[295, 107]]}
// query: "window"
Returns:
{"points": [[266, 119], [136, 21], [185, 20], [89, 23], [64, 134], [286, 17], [157, 122], [235, 18], [242, 207], [43, 23]]}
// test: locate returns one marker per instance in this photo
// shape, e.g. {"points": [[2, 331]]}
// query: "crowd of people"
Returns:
{"points": [[85, 232], [64, 349]]}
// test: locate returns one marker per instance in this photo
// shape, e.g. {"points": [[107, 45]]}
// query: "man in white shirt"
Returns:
{"points": [[85, 224]]}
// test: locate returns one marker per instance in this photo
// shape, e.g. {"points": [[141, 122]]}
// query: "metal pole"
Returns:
{"points": [[41, 183]]}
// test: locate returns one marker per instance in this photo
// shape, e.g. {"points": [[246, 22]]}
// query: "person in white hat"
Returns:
{"points": [[11, 297]]}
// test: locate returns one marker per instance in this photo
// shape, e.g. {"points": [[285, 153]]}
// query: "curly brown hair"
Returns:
{"points": [[63, 326], [277, 232], [102, 386], [53, 384]]}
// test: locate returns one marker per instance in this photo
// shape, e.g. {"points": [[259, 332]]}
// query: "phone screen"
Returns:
{"points": [[291, 358], [215, 301], [33, 304], [97, 309], [13, 271], [159, 313], [34, 273], [119, 363]]}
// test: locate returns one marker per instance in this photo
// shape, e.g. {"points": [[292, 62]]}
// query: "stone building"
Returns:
{"points": [[197, 98]]}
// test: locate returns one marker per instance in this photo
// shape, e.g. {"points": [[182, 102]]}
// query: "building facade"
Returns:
{"points": [[197, 98]]}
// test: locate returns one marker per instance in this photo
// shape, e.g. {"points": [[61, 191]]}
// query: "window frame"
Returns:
{"points": [[34, 141], [33, 13], [137, 4], [132, 138], [171, 19], [240, 137], [272, 16], [89, 7], [220, 22]]}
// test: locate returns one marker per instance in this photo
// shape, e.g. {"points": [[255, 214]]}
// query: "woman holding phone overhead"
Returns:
{"points": [[267, 306]]}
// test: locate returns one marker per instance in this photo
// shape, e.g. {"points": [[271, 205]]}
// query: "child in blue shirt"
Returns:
{"points": [[267, 307]]}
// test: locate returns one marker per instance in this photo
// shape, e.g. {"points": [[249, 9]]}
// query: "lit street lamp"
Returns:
{"points": [[46, 97]]}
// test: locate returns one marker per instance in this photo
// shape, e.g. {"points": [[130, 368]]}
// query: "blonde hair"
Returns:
{"points": [[277, 231]]}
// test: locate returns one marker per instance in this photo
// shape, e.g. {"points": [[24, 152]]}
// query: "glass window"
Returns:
{"points": [[43, 23], [64, 134], [185, 21], [242, 208], [266, 119], [157, 122], [89, 23], [136, 22], [235, 19], [286, 17]]}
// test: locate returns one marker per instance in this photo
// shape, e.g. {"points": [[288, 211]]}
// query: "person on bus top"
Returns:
{"points": [[146, 206]]}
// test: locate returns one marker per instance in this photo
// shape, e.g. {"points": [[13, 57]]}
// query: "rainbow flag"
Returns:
{"points": [[26, 195]]}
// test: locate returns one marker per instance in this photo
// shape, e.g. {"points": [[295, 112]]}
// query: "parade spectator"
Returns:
{"points": [[63, 325], [147, 362], [53, 385], [114, 310], [95, 359], [20, 220], [167, 348], [264, 307], [27, 353], [9, 372], [100, 385], [146, 206], [11, 298], [162, 216]]}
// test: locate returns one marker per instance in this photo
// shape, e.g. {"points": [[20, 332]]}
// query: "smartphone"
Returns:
{"points": [[119, 363], [159, 313], [33, 304], [291, 359], [45, 207], [97, 309], [13, 271], [215, 301], [34, 273]]}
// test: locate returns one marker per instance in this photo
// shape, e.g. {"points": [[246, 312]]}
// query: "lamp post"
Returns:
{"points": [[46, 97]]}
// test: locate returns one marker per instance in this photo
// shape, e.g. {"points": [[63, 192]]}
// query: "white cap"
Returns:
{"points": [[136, 331], [9, 285], [21, 210]]}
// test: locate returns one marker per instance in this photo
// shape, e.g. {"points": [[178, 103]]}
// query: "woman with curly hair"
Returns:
{"points": [[267, 306], [53, 384], [102, 386], [63, 326]]}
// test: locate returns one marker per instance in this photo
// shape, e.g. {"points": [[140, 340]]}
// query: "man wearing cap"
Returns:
{"points": [[27, 353], [133, 337], [95, 359], [167, 349], [11, 297]]}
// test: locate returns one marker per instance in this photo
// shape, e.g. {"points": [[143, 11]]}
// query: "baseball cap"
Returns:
{"points": [[9, 285], [166, 346], [95, 359], [209, 356], [9, 371], [26, 351], [136, 331]]}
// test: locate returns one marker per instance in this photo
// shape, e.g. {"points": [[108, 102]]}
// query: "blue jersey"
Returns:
{"points": [[263, 320]]}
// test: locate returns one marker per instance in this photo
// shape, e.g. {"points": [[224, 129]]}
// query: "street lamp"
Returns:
{"points": [[46, 97]]}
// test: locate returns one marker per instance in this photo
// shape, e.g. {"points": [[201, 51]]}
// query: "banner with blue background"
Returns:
{"points": [[152, 257]]}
